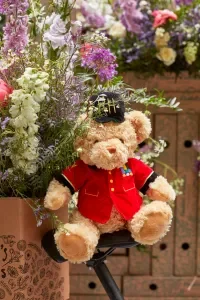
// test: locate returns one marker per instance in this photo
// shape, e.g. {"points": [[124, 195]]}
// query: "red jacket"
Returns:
{"points": [[100, 189]]}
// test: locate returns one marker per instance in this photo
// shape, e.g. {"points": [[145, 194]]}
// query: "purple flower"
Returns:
{"points": [[40, 213], [9, 7], [196, 145], [76, 29], [197, 166], [4, 123], [16, 29], [131, 17], [15, 35], [101, 61], [184, 2], [4, 176], [92, 18]]}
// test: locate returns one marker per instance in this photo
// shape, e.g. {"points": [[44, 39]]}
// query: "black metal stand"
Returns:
{"points": [[102, 272], [120, 239]]}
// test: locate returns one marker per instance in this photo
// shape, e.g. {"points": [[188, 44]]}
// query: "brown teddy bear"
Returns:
{"points": [[109, 181]]}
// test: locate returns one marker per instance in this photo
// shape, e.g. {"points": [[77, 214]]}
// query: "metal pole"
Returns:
{"points": [[108, 282]]}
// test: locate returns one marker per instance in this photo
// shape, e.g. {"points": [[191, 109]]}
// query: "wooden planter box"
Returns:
{"points": [[27, 273]]}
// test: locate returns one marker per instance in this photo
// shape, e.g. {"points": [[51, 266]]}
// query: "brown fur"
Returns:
{"points": [[109, 146]]}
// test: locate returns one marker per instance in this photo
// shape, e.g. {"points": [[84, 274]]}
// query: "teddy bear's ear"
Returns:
{"points": [[141, 124]]}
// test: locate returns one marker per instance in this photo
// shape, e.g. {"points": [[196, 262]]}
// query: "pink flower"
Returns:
{"points": [[5, 91], [161, 17]]}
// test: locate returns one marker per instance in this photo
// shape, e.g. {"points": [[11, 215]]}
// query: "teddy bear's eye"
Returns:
{"points": [[96, 141], [122, 141]]}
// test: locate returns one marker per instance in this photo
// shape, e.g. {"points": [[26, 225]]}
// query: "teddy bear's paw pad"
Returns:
{"points": [[154, 228], [72, 247], [55, 203]]}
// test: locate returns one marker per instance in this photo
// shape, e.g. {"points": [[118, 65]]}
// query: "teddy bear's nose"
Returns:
{"points": [[111, 149]]}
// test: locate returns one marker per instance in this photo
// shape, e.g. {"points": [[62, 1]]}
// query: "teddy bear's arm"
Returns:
{"points": [[57, 195], [63, 186], [161, 190], [150, 183]]}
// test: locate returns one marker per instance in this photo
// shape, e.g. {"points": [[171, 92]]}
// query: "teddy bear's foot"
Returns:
{"points": [[151, 223], [78, 244]]}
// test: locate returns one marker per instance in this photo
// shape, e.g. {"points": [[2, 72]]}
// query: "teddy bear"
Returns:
{"points": [[110, 182]]}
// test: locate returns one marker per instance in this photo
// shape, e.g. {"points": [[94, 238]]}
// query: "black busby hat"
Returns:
{"points": [[110, 107]]}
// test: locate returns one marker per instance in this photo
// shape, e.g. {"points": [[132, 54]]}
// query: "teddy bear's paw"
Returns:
{"points": [[161, 190], [57, 196], [78, 244], [151, 223]]}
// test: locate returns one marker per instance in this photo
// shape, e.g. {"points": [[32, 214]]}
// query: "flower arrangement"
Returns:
{"points": [[48, 72], [148, 37]]}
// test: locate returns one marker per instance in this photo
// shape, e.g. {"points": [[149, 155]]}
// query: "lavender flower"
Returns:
{"points": [[9, 7], [131, 16], [101, 61], [40, 213]]}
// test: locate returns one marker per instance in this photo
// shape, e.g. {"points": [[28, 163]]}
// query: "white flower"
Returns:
{"points": [[159, 31], [143, 4], [76, 28], [117, 30], [161, 38], [23, 149], [167, 55], [49, 19], [56, 33]]}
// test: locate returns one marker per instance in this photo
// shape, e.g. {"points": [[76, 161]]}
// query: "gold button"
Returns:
{"points": [[111, 181], [112, 190]]}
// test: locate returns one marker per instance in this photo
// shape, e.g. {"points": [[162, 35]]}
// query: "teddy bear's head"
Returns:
{"points": [[114, 135]]}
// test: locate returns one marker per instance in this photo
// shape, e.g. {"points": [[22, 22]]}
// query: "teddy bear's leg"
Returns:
{"points": [[151, 223], [79, 243]]}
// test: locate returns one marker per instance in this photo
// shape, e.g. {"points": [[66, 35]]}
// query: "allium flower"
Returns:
{"points": [[131, 17], [161, 17], [101, 61]]}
